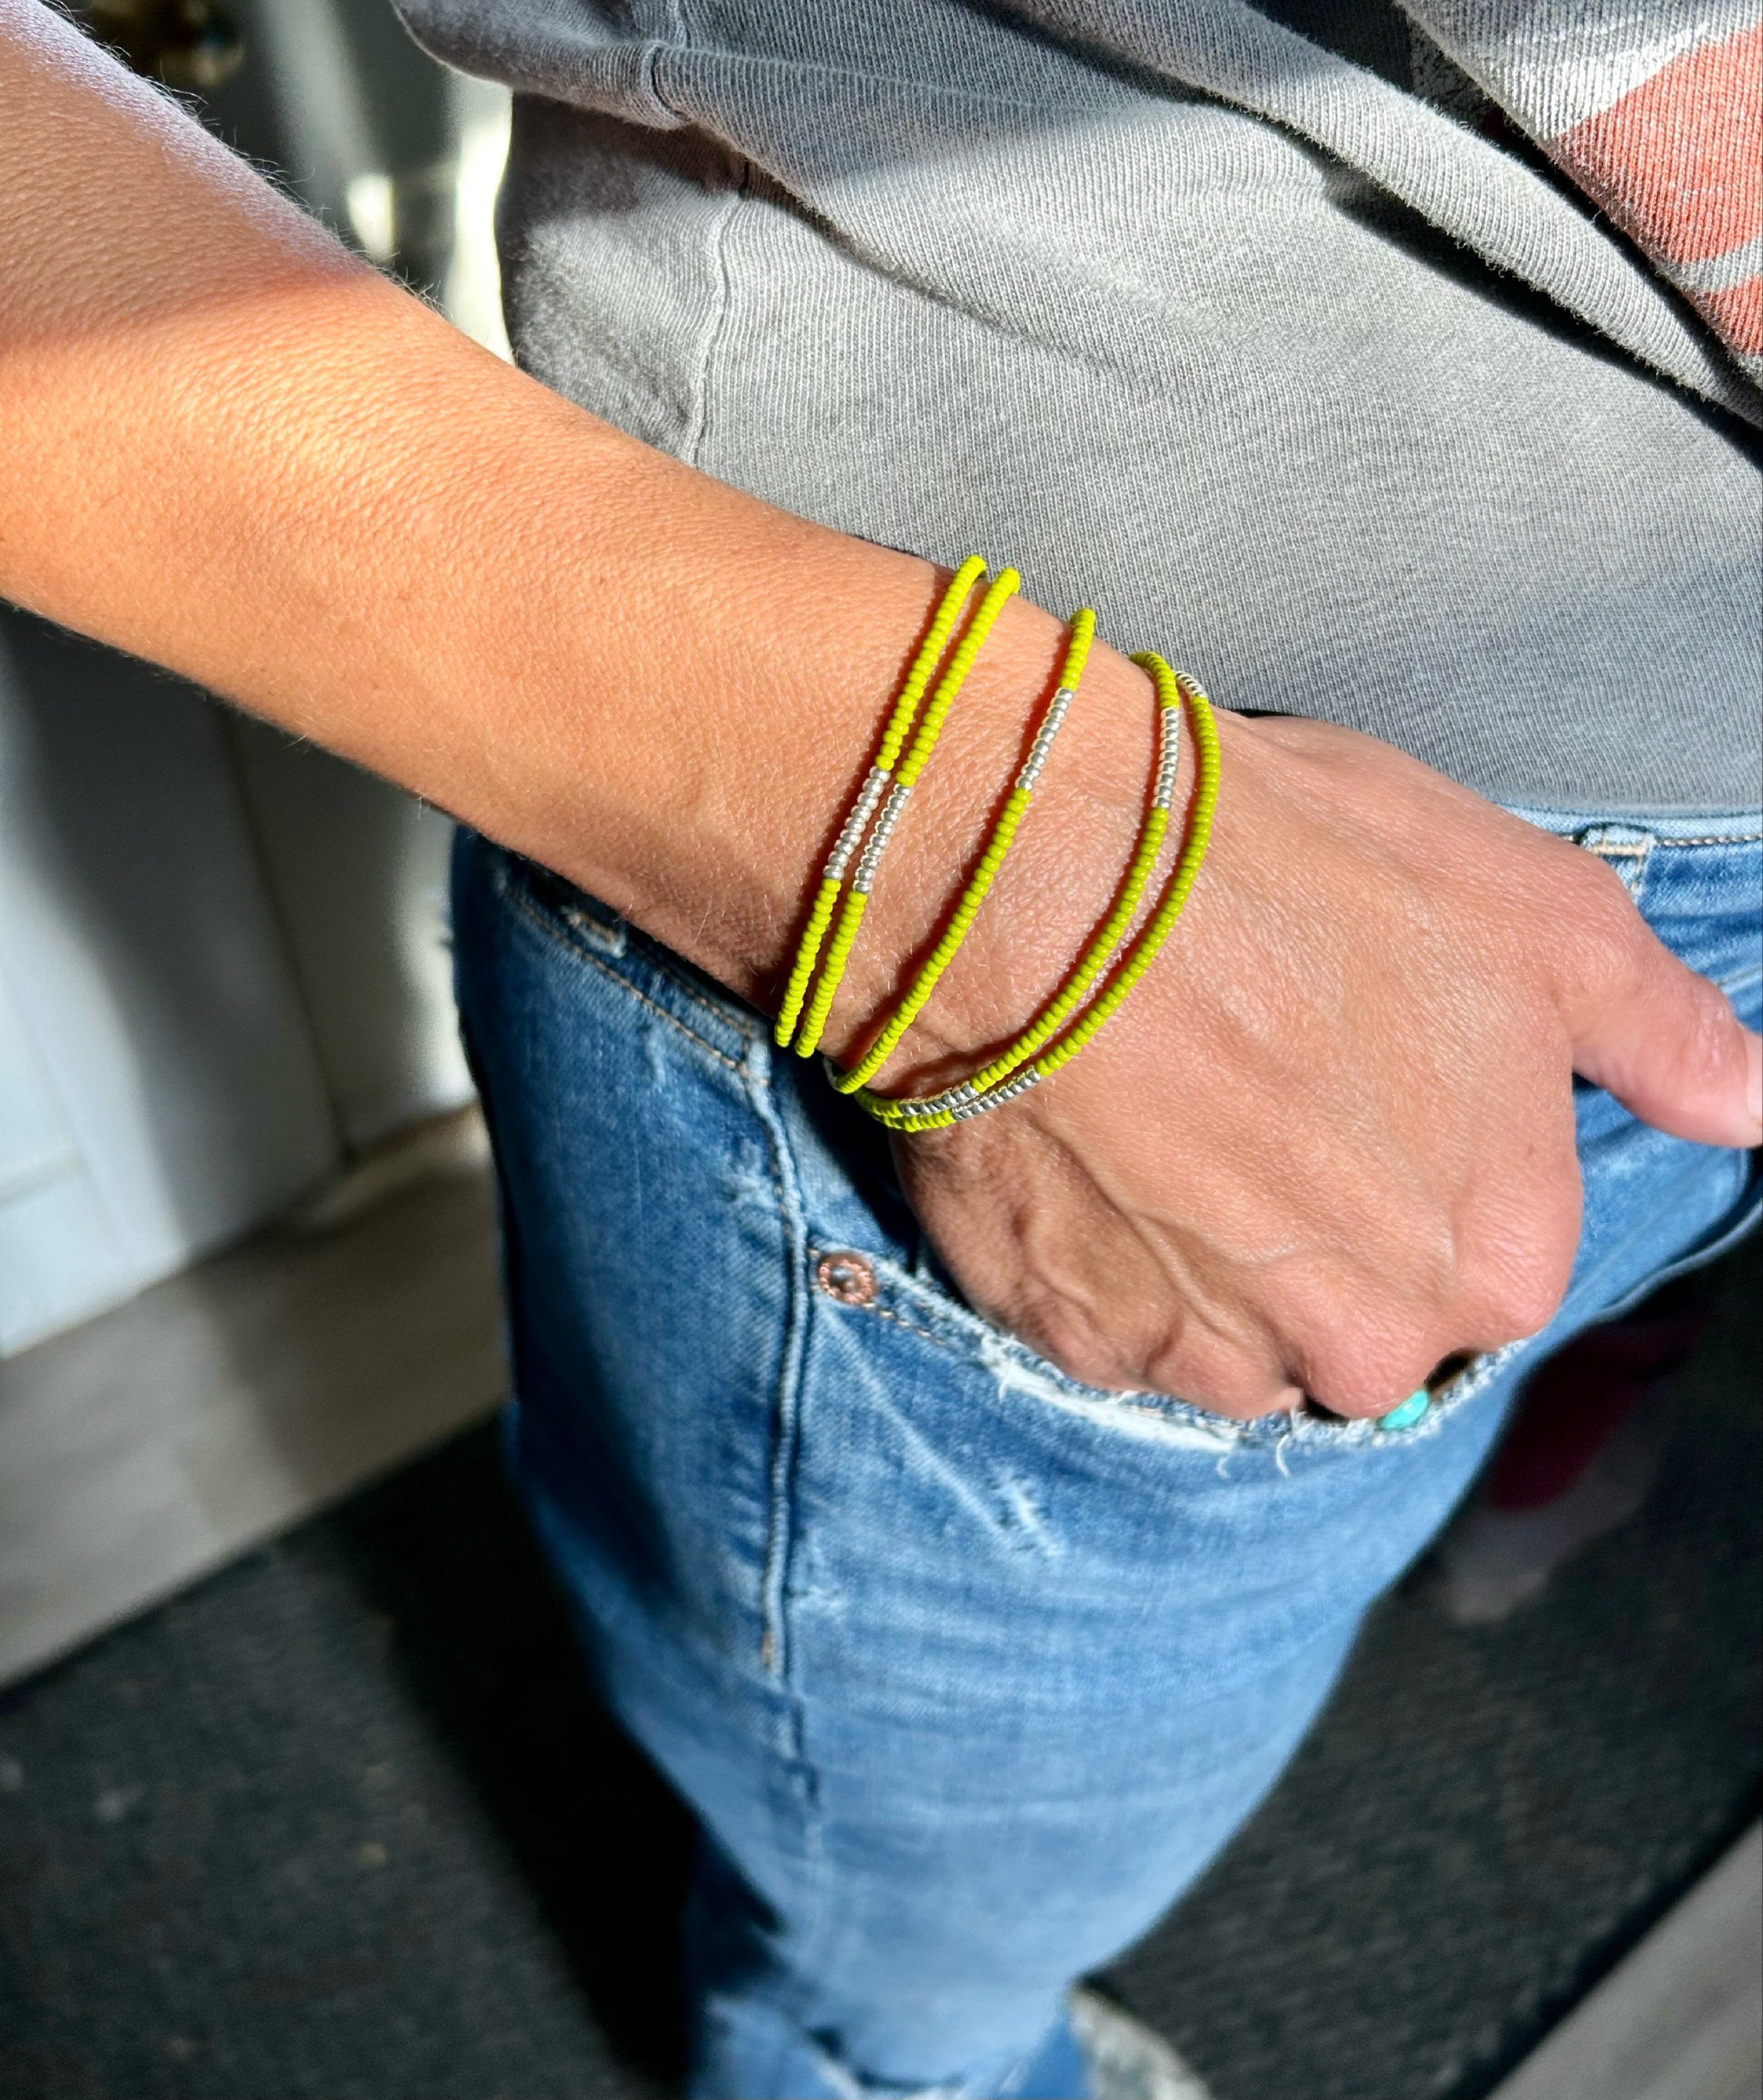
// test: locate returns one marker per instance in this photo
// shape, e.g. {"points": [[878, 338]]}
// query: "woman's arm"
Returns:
{"points": [[234, 449], [1328, 1142]]}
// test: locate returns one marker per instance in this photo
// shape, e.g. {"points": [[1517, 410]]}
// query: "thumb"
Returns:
{"points": [[1668, 1046]]}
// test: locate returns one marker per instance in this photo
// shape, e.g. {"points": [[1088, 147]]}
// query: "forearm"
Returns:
{"points": [[234, 450]]}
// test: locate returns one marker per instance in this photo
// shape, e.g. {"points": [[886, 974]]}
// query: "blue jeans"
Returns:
{"points": [[967, 1669]]}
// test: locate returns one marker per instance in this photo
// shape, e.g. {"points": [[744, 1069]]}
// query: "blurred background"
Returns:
{"points": [[224, 980], [221, 969], [302, 1788]]}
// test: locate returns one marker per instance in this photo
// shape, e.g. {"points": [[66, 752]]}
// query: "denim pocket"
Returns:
{"points": [[932, 1308], [924, 1301], [1730, 1228], [662, 982]]}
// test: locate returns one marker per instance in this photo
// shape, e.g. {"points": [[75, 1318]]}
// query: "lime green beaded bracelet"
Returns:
{"points": [[1003, 831], [1005, 1078], [844, 932], [874, 786]]}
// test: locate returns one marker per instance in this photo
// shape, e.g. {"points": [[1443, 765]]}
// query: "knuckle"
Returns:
{"points": [[1601, 898], [1606, 931], [1522, 1304], [1223, 1380], [1708, 1044], [1517, 1290], [1369, 1371]]}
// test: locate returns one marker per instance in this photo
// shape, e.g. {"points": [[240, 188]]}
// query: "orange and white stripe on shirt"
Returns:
{"points": [[1654, 109]]}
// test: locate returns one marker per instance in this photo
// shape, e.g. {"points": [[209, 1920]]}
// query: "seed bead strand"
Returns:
{"points": [[899, 727], [1174, 902], [938, 1111], [1003, 832], [1066, 1001], [1002, 588]]}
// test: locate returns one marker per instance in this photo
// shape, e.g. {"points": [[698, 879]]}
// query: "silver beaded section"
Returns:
{"points": [[998, 1096], [876, 845], [954, 1101], [1044, 742], [1169, 756], [856, 824], [961, 1104]]}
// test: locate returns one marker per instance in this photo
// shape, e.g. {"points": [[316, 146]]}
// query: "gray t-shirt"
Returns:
{"points": [[1219, 327]]}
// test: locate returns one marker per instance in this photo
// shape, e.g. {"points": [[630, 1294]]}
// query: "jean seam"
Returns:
{"points": [[780, 1510], [777, 1657], [945, 1342], [1718, 1230], [532, 913], [1639, 847], [899, 1319], [657, 957]]}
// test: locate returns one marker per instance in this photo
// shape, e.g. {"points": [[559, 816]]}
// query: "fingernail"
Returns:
{"points": [[1410, 1411]]}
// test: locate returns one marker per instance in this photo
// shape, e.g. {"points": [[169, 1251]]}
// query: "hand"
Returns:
{"points": [[1329, 1141]]}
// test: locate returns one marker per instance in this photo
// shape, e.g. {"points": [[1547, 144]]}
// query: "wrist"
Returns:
{"points": [[1057, 884]]}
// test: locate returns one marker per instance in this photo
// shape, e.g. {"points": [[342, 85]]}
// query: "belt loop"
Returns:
{"points": [[1626, 848]]}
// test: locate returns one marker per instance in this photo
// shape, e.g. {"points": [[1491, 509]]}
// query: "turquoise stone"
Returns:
{"points": [[1410, 1411]]}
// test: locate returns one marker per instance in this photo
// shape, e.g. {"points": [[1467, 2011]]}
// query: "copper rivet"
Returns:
{"points": [[848, 1277]]}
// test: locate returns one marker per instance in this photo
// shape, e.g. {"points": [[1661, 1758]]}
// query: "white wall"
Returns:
{"points": [[359, 873], [160, 1089], [223, 955]]}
